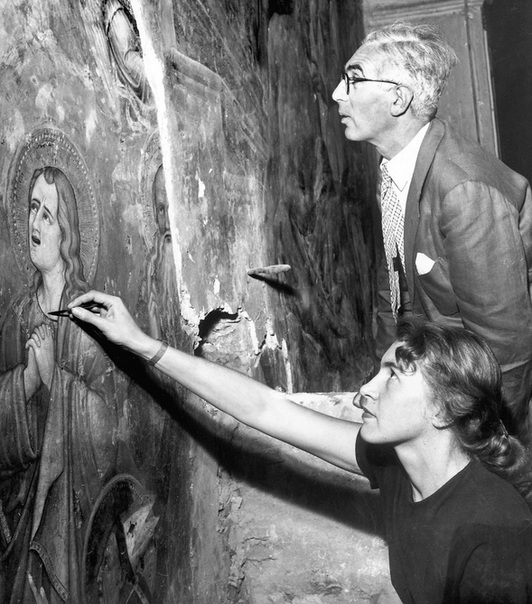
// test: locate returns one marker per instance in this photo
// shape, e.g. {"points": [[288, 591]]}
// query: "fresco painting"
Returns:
{"points": [[83, 465], [63, 459]]}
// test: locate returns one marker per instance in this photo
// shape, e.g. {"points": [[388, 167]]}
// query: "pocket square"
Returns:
{"points": [[423, 264]]}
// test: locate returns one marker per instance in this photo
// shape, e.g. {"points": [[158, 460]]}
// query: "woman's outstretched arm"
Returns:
{"points": [[240, 396]]}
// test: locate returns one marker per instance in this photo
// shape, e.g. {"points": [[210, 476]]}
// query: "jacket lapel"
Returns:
{"points": [[424, 161]]}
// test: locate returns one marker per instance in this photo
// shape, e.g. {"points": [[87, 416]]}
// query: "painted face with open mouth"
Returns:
{"points": [[44, 233]]}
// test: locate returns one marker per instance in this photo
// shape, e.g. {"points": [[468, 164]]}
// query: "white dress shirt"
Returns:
{"points": [[401, 166]]}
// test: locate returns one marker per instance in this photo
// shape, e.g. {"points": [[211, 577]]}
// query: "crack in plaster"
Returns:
{"points": [[154, 70]]}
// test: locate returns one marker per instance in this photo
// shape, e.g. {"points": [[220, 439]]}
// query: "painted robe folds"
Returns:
{"points": [[56, 452]]}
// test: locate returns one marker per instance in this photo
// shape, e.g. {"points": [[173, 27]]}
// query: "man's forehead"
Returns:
{"points": [[354, 66], [364, 59]]}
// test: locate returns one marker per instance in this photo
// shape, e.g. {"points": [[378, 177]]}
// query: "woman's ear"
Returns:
{"points": [[439, 421]]}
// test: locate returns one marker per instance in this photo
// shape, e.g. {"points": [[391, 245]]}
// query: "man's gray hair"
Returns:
{"points": [[421, 55]]}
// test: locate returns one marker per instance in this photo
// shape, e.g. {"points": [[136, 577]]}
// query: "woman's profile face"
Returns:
{"points": [[44, 233]]}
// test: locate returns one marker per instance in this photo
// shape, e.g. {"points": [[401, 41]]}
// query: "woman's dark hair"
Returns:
{"points": [[465, 381], [67, 216]]}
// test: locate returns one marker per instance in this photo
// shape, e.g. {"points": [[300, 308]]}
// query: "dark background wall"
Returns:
{"points": [[509, 34]]}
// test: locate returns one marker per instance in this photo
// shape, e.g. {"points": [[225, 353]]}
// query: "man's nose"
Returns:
{"points": [[339, 93]]}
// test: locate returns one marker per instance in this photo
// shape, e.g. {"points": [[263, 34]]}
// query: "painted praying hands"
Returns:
{"points": [[41, 358]]}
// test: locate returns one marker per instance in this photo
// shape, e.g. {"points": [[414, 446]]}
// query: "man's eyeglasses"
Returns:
{"points": [[352, 80]]}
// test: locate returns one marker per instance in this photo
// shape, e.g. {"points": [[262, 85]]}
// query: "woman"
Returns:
{"points": [[458, 531], [431, 440]]}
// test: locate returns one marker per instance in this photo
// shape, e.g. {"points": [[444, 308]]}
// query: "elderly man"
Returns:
{"points": [[457, 222]]}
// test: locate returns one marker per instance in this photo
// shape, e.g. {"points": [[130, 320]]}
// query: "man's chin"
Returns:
{"points": [[351, 134]]}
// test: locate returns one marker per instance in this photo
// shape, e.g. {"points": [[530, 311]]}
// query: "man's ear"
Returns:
{"points": [[402, 101]]}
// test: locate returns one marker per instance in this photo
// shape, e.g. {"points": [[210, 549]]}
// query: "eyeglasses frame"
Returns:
{"points": [[352, 80]]}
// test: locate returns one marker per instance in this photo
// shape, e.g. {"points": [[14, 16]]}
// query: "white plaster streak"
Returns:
{"points": [[271, 342], [17, 131], [252, 333], [155, 75], [288, 368], [190, 316], [201, 186], [271, 339], [44, 98], [90, 124]]}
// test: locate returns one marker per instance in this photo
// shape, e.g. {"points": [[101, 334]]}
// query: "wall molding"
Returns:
{"points": [[380, 12]]}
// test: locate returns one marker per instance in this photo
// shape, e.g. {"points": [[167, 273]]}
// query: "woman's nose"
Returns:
{"points": [[370, 389], [358, 400]]}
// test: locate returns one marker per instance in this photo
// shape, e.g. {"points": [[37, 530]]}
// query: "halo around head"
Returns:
{"points": [[50, 147]]}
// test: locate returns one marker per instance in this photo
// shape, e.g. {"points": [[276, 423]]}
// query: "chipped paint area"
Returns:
{"points": [[91, 125], [201, 187]]}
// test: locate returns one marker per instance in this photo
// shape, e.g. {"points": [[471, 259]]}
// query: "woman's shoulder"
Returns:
{"points": [[492, 498]]}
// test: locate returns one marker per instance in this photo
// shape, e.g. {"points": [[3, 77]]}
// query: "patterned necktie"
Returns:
{"points": [[393, 234]]}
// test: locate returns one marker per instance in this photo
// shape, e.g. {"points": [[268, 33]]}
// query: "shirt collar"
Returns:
{"points": [[401, 166]]}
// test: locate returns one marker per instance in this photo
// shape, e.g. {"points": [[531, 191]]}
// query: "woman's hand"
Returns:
{"points": [[112, 318]]}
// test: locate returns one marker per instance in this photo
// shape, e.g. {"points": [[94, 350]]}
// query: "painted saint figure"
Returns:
{"points": [[160, 287], [125, 47], [59, 413], [158, 310]]}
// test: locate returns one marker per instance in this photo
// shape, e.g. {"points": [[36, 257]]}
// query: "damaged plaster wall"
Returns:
{"points": [[206, 134], [305, 329]]}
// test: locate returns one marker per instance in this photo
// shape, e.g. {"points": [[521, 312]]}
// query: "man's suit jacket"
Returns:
{"points": [[472, 216]]}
